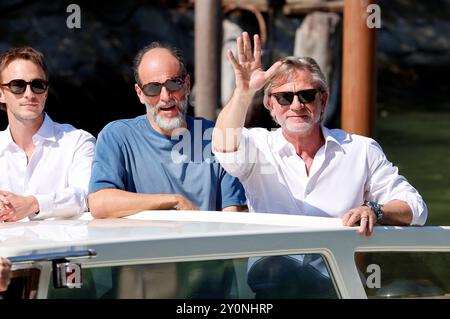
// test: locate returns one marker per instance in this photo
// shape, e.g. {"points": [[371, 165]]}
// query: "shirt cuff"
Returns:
{"points": [[418, 207], [235, 157], [45, 202]]}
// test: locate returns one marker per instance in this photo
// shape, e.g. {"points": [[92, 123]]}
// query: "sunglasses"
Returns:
{"points": [[304, 96], [154, 88], [38, 86]]}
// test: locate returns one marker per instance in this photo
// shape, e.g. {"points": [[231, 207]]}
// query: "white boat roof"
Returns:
{"points": [[151, 225], [187, 227]]}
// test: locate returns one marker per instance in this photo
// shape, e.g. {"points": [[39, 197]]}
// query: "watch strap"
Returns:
{"points": [[376, 209]]}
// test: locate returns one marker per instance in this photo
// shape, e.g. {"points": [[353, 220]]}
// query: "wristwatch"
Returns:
{"points": [[376, 209]]}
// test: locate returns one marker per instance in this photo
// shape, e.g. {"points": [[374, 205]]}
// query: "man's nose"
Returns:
{"points": [[296, 104], [28, 92], [165, 94]]}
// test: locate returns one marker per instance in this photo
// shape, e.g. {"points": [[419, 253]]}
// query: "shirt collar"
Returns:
{"points": [[45, 133], [330, 138], [5, 139], [280, 141]]}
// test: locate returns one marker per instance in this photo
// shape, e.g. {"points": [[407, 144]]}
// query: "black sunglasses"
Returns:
{"points": [[304, 96], [38, 86], [154, 88]]}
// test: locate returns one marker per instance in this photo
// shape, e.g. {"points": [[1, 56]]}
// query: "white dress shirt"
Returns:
{"points": [[346, 170], [58, 172]]}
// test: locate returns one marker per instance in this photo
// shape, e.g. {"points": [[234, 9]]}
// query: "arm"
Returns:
{"points": [[236, 208], [386, 186], [5, 273], [71, 200], [109, 193], [119, 203], [232, 193], [65, 202], [249, 79], [401, 203], [395, 212]]}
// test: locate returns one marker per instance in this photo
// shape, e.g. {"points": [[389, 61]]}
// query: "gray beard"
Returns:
{"points": [[168, 124]]}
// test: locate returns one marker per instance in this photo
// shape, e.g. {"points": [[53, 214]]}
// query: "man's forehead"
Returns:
{"points": [[298, 80], [22, 68], [158, 65]]}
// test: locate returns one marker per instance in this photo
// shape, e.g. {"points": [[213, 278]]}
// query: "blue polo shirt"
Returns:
{"points": [[132, 156]]}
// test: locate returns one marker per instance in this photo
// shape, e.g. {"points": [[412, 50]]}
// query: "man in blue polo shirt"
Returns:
{"points": [[161, 160]]}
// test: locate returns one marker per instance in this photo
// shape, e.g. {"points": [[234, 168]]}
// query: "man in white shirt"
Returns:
{"points": [[304, 168], [44, 166]]}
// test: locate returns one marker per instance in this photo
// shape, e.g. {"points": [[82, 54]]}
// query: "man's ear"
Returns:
{"points": [[139, 93], [2, 97], [187, 84], [267, 101], [324, 100]]}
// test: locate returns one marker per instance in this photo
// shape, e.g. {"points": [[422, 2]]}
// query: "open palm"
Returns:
{"points": [[247, 69]]}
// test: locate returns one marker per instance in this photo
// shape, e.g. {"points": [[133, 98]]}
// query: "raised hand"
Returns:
{"points": [[248, 72]]}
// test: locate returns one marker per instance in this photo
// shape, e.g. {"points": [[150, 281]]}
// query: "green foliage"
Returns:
{"points": [[418, 143]]}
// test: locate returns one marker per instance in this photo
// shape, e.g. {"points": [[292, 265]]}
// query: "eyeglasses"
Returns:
{"points": [[304, 96], [154, 88], [38, 86]]}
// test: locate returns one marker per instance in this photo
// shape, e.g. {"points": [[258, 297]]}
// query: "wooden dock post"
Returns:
{"points": [[208, 42], [358, 69]]}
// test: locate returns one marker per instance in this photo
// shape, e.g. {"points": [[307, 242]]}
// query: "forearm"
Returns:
{"points": [[69, 200], [235, 208], [64, 203], [118, 203], [231, 120], [396, 212]]}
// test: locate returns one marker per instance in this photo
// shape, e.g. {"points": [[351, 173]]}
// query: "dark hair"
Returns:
{"points": [[22, 53], [177, 53]]}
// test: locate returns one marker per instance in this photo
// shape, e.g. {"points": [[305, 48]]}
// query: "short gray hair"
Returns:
{"points": [[288, 69], [177, 53]]}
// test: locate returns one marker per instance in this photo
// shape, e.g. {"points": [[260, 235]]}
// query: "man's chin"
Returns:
{"points": [[298, 127], [28, 115], [169, 124]]}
